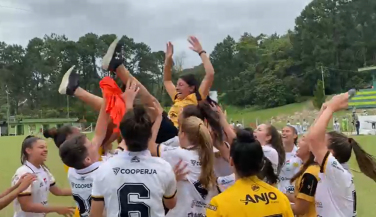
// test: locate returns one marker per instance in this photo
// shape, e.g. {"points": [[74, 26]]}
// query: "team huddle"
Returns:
{"points": [[188, 162]]}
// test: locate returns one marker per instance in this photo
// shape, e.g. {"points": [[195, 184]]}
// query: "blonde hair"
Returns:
{"points": [[199, 135]]}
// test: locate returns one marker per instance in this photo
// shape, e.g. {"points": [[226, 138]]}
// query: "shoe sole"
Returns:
{"points": [[65, 81], [110, 52]]}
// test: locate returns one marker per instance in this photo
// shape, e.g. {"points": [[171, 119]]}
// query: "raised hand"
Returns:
{"points": [[338, 102], [195, 44], [130, 92], [169, 50]]}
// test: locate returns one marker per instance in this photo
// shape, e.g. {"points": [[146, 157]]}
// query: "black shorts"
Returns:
{"points": [[167, 130]]}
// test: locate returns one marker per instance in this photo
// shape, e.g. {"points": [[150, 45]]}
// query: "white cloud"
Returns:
{"points": [[153, 22]]}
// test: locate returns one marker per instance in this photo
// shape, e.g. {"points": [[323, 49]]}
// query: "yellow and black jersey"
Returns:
{"points": [[250, 197], [305, 188]]}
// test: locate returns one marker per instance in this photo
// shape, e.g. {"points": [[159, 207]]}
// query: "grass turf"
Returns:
{"points": [[10, 161]]}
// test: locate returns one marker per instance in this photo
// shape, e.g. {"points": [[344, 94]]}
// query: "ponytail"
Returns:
{"points": [[366, 162], [199, 135], [267, 172], [309, 162], [276, 143]]}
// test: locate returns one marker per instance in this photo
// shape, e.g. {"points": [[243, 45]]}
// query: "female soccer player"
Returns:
{"points": [[336, 195], [292, 162], [196, 151], [306, 181], [187, 90], [12, 193], [271, 143], [249, 196], [134, 182], [33, 201]]}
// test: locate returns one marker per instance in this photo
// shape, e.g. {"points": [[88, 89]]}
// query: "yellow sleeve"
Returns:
{"points": [[308, 184], [66, 168], [212, 209], [100, 151], [77, 212]]}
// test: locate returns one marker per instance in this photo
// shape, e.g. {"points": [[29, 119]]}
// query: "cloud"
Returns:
{"points": [[153, 22]]}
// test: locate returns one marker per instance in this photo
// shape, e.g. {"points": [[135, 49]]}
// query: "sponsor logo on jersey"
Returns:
{"points": [[76, 185], [290, 189], [135, 159], [295, 164], [335, 165], [256, 198], [255, 187], [226, 181], [45, 180], [44, 203], [195, 163], [82, 177], [201, 204], [41, 184], [169, 148], [318, 204], [191, 214], [285, 178], [118, 170]]}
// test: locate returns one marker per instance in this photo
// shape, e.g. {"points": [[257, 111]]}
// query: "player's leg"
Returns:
{"points": [[70, 85], [113, 61]]}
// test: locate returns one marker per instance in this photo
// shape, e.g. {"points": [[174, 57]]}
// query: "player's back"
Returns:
{"points": [[250, 197], [134, 182], [81, 182]]}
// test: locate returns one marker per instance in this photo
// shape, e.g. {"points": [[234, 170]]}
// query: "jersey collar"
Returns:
{"points": [[88, 169], [33, 168], [145, 153]]}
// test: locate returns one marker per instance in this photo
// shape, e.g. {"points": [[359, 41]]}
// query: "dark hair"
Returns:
{"points": [[248, 157], [295, 132], [311, 161], [28, 142], [73, 151], [204, 112], [245, 136], [191, 81], [342, 146], [58, 135], [136, 129], [276, 143]]}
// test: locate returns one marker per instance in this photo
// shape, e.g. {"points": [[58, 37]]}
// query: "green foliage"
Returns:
{"points": [[318, 95], [255, 70]]}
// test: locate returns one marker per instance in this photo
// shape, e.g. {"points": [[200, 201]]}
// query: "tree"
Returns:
{"points": [[318, 95]]}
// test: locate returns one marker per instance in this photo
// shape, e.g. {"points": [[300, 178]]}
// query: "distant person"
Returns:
{"points": [[344, 124], [298, 128], [336, 126], [357, 126], [239, 125], [305, 126], [232, 124], [288, 123]]}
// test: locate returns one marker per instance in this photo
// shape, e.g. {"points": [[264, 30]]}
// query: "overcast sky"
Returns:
{"points": [[153, 22]]}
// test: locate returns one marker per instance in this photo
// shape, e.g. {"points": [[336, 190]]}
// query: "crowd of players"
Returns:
{"points": [[190, 162]]}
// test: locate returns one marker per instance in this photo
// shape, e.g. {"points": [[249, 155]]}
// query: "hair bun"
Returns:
{"points": [[50, 133]]}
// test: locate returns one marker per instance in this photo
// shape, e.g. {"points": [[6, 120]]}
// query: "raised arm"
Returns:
{"points": [[101, 126], [207, 82], [167, 77], [152, 146], [316, 134]]}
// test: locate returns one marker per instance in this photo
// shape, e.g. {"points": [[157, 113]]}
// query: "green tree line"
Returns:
{"points": [[335, 37]]}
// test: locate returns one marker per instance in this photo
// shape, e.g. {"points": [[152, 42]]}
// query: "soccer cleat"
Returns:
{"points": [[113, 57], [69, 83]]}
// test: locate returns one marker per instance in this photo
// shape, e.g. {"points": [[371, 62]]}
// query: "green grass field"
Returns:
{"points": [[366, 188]]}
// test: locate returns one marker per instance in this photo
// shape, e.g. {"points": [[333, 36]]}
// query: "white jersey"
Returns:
{"points": [[38, 190], [81, 182], [133, 184], [289, 169], [173, 142], [191, 196], [335, 193], [272, 155], [226, 181]]}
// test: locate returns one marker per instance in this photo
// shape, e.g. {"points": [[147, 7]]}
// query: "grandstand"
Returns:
{"points": [[365, 98]]}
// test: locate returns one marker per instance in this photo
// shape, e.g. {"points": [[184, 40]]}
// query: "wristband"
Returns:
{"points": [[201, 52]]}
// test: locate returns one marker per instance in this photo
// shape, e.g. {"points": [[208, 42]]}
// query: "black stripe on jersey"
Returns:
{"points": [[308, 184], [24, 194], [170, 197], [219, 190], [324, 161], [158, 152], [52, 184], [97, 198], [120, 148], [30, 168]]}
